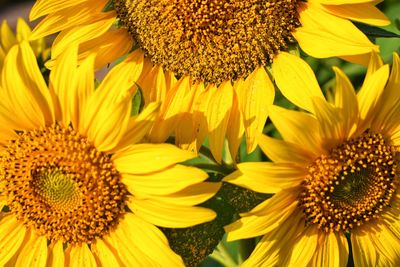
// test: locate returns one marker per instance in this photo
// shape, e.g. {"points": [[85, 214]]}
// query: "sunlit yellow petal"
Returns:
{"points": [[110, 105], [269, 216], [17, 94], [81, 256], [34, 252], [64, 82], [304, 248], [296, 80], [12, 233], [272, 243], [129, 254], [68, 17], [235, 130], [332, 250], [56, 254], [363, 12], [266, 177], [364, 251], [324, 35], [165, 182], [79, 34], [8, 39], [139, 126], [169, 215], [254, 96], [290, 123], [369, 95], [387, 118], [280, 151], [167, 121], [218, 113], [189, 196], [140, 159], [346, 101], [149, 239], [43, 7], [330, 122], [105, 254]]}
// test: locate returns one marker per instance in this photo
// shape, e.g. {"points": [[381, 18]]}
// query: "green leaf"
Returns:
{"points": [[374, 32], [109, 6]]}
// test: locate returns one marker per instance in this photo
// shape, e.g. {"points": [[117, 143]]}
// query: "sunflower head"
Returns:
{"points": [[213, 40], [73, 181], [351, 185]]}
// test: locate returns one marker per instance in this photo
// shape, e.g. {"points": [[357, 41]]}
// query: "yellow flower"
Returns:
{"points": [[335, 174], [212, 42], [23, 32], [75, 188]]}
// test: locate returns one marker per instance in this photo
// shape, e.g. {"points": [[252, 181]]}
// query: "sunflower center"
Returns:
{"points": [[59, 184], [351, 185], [211, 40]]}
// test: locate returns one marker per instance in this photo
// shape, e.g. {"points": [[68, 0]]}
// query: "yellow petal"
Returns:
{"points": [[185, 135], [280, 151], [269, 215], [386, 243], [189, 196], [63, 80], [323, 35], [169, 215], [304, 247], [164, 182], [296, 80], [332, 250], [128, 253], [364, 251], [268, 250], [330, 123], [290, 125], [369, 95], [235, 129], [81, 34], [139, 126], [266, 177], [81, 256], [256, 94], [346, 101], [21, 94], [386, 119], [200, 107], [105, 254], [59, 20], [8, 38], [56, 254], [12, 233], [84, 89], [34, 252], [44, 7], [110, 105], [217, 118], [109, 46], [366, 13], [150, 241], [23, 30], [170, 111], [153, 83], [140, 159]]}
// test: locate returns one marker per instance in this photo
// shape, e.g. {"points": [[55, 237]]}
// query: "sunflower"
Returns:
{"points": [[23, 32], [75, 188], [335, 176], [212, 42]]}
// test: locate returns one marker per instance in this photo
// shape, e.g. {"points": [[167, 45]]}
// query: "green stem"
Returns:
{"points": [[245, 248]]}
